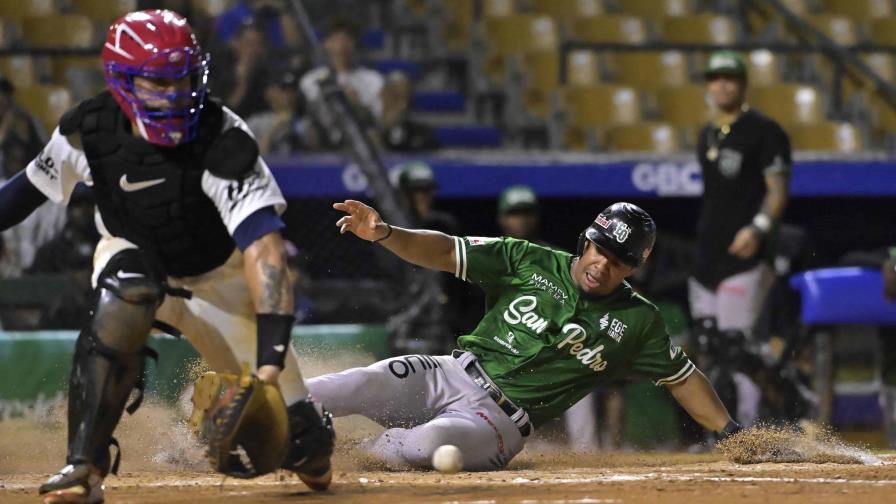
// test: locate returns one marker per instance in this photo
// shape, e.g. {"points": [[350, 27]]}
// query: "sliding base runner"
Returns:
{"points": [[556, 326]]}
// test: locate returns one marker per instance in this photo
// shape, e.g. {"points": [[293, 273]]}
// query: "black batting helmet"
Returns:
{"points": [[625, 230]]}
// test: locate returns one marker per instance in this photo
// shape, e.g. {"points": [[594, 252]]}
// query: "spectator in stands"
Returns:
{"points": [[518, 214], [417, 182], [437, 325], [362, 86], [272, 15], [745, 160], [283, 129], [21, 139], [21, 136], [246, 59], [399, 132]]}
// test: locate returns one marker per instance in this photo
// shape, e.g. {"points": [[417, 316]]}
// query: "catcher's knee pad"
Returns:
{"points": [[129, 290], [311, 438]]}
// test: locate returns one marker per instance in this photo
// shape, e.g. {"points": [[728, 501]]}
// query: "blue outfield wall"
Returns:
{"points": [[459, 176]]}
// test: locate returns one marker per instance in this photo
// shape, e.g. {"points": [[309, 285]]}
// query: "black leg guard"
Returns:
{"points": [[312, 444], [109, 356]]}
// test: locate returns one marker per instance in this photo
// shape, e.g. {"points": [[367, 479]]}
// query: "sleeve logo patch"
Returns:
{"points": [[480, 240], [239, 190], [46, 165], [673, 350]]}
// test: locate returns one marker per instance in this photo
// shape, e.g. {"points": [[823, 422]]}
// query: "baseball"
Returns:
{"points": [[448, 459]]}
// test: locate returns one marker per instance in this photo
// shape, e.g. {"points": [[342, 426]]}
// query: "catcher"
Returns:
{"points": [[190, 217], [556, 325]]}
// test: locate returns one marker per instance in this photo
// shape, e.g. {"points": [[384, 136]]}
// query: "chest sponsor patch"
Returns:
{"points": [[548, 286], [615, 329]]}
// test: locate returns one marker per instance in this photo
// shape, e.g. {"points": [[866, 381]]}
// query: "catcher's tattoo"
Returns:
{"points": [[275, 289]]}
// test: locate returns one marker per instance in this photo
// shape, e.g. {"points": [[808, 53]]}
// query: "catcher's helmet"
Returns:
{"points": [[625, 230], [156, 44]]}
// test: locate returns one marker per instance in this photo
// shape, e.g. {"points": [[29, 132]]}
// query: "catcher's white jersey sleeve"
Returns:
{"points": [[237, 200], [58, 168]]}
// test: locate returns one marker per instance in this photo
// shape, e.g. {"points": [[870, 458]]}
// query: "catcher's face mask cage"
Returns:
{"points": [[179, 121]]}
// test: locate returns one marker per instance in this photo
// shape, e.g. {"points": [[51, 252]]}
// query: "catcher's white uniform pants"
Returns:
{"points": [[424, 402], [219, 320]]}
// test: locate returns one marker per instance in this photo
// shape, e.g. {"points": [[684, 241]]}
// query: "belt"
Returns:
{"points": [[516, 414]]}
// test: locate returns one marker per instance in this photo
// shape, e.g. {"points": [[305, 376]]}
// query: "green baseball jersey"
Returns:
{"points": [[544, 343]]}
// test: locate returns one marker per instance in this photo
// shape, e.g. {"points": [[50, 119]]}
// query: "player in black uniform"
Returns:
{"points": [[745, 159]]}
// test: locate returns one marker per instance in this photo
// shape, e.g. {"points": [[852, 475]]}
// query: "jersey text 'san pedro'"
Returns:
{"points": [[547, 346]]}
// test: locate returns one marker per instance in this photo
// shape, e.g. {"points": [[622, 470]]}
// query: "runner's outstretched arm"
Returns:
{"points": [[429, 249], [699, 399]]}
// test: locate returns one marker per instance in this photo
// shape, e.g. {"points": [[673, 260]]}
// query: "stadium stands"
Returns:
{"points": [[103, 12], [20, 10], [646, 136], [58, 30], [611, 28], [46, 102], [686, 108], [21, 70], [789, 104], [568, 12], [860, 11], [514, 50], [826, 136]]}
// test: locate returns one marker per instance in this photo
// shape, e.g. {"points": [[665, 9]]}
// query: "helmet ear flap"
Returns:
{"points": [[580, 248]]}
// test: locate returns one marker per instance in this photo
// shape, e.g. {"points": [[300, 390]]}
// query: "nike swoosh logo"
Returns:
{"points": [[279, 348], [136, 186]]}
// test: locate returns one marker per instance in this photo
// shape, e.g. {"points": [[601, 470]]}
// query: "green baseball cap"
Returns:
{"points": [[416, 175], [518, 197], [726, 63]]}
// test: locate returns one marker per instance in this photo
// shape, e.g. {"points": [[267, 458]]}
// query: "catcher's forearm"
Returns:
{"points": [[268, 278], [268, 275], [700, 400], [429, 249]]}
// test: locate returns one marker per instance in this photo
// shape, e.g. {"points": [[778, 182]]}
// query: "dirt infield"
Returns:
{"points": [[610, 478], [161, 463]]}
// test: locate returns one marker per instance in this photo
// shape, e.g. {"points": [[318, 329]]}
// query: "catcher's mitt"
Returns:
{"points": [[240, 415]]}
